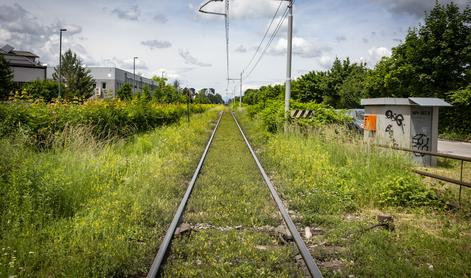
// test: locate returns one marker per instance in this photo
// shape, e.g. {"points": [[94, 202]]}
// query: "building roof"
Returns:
{"points": [[19, 58], [25, 54], [412, 101], [385, 101], [429, 101]]}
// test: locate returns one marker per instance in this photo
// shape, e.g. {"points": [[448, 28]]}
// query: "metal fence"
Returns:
{"points": [[463, 159]]}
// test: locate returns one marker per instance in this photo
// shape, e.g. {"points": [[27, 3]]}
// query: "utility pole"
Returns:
{"points": [[240, 97], [60, 59], [240, 80], [188, 103], [134, 77], [289, 61]]}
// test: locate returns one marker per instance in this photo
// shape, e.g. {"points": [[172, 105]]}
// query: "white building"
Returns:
{"points": [[108, 80]]}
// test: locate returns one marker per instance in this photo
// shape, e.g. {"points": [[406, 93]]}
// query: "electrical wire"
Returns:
{"points": [[264, 36], [273, 36]]}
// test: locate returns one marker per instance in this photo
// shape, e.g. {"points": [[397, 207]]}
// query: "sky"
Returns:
{"points": [[172, 38]]}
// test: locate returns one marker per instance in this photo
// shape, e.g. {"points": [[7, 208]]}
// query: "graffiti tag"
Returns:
{"points": [[421, 143], [390, 131], [397, 118]]}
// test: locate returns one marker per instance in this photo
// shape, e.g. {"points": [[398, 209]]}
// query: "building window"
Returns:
{"points": [[103, 85]]}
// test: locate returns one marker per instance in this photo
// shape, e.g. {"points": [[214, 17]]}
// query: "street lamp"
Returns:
{"points": [[60, 58], [134, 77]]}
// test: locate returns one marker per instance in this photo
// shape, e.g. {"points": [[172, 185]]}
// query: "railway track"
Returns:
{"points": [[161, 257]]}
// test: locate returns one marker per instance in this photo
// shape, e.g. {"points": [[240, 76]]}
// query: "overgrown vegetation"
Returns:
{"points": [[89, 208], [336, 184], [271, 112], [105, 119]]}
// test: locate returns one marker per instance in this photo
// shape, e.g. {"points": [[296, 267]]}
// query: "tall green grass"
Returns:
{"points": [[91, 208], [105, 118]]}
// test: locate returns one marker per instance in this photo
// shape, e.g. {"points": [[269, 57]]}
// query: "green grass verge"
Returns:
{"points": [[230, 193], [87, 208], [334, 183]]}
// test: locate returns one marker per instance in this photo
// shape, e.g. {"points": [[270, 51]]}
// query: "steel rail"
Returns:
{"points": [[305, 253], [159, 258]]}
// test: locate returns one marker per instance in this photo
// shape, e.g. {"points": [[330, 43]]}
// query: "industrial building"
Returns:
{"points": [[108, 80], [24, 65]]}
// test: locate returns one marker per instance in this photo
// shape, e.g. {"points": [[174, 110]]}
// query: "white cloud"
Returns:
{"points": [[416, 7], [241, 49], [301, 47], [243, 9], [131, 13], [24, 31], [326, 61], [126, 64], [152, 44], [190, 60], [4, 35], [376, 53], [160, 18]]}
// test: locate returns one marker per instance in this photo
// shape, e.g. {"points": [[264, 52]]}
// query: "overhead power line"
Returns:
{"points": [[264, 36], [267, 46]]}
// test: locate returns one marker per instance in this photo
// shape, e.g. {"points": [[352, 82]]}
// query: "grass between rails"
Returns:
{"points": [[86, 208], [230, 193], [339, 186]]}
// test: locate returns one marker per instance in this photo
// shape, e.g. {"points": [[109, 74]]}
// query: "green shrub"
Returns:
{"points": [[271, 112], [407, 192], [42, 89], [107, 119]]}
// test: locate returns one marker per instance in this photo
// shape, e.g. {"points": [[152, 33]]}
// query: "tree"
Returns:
{"points": [[42, 89], [168, 93], [456, 119], [146, 95], [434, 59], [310, 87], [6, 79], [340, 87], [77, 79], [125, 92]]}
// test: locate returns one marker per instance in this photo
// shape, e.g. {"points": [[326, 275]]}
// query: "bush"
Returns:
{"points": [[272, 114], [407, 192], [107, 119], [125, 92], [42, 89], [456, 121]]}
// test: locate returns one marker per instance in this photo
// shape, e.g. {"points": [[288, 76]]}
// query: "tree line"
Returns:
{"points": [[434, 60]]}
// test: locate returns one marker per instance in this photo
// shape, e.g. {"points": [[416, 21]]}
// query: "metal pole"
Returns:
{"points": [[60, 59], [240, 96], [134, 77], [289, 61], [188, 104], [461, 179]]}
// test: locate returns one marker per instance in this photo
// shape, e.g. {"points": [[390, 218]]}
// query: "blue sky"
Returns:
{"points": [[172, 36]]}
